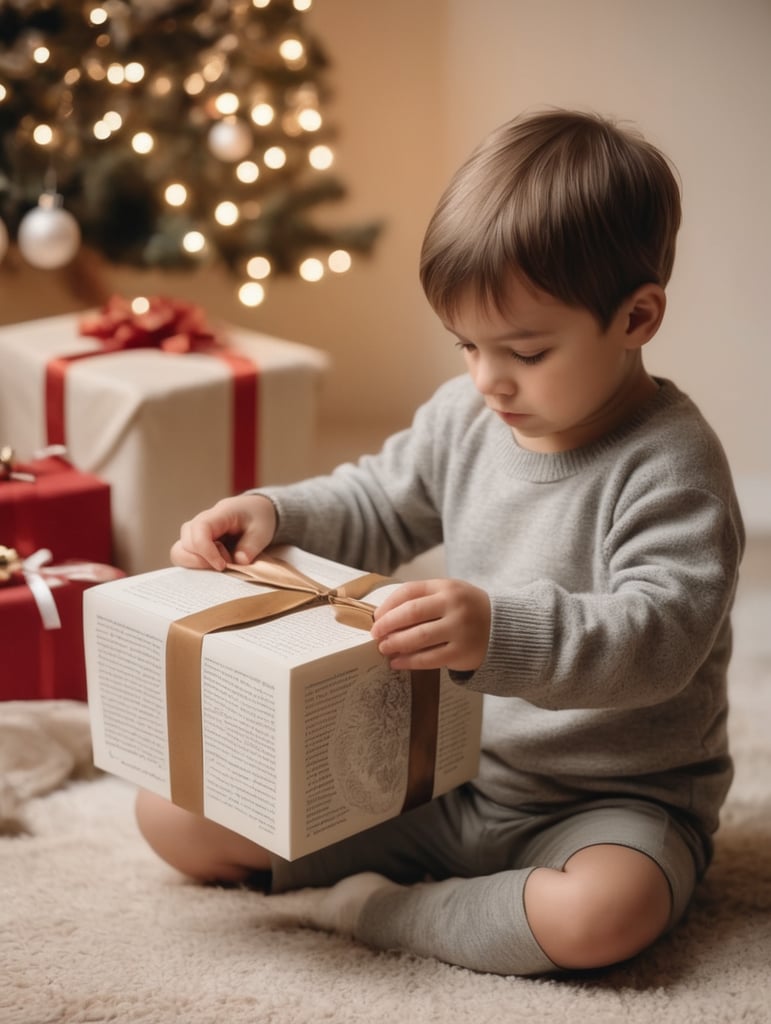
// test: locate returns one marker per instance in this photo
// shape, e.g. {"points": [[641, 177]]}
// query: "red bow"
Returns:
{"points": [[168, 324], [176, 328]]}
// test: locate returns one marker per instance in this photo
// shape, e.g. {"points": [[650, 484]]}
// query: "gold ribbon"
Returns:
{"points": [[292, 590]]}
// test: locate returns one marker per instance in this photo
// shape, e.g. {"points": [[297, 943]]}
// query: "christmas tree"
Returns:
{"points": [[163, 133]]}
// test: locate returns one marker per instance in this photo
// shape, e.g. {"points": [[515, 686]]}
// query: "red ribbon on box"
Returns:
{"points": [[41, 580], [178, 328]]}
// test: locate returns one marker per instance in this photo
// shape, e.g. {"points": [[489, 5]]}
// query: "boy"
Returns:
{"points": [[592, 540]]}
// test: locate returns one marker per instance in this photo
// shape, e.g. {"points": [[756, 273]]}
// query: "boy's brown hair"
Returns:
{"points": [[586, 210]]}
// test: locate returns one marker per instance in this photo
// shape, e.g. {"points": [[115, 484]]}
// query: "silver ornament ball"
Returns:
{"points": [[230, 139], [48, 237]]}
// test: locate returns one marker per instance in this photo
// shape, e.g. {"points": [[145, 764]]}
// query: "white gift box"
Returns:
{"points": [[292, 731], [156, 426]]}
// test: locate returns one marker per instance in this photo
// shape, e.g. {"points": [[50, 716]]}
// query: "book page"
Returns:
{"points": [[297, 636], [175, 592], [457, 746], [242, 761], [125, 659]]}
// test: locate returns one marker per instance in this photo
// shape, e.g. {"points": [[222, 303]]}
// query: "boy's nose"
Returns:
{"points": [[490, 379]]}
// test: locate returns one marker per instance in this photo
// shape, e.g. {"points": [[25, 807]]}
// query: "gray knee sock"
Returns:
{"points": [[479, 923]]}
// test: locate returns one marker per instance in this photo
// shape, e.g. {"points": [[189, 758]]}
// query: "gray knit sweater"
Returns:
{"points": [[611, 570]]}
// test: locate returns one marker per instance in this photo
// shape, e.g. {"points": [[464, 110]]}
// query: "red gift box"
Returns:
{"points": [[61, 509], [39, 663]]}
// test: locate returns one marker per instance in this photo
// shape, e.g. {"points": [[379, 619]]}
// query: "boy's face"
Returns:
{"points": [[549, 370]]}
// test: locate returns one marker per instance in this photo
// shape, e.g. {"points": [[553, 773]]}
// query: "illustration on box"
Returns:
{"points": [[264, 704]]}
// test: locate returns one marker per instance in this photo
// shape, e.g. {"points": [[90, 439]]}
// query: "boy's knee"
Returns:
{"points": [[600, 910], [167, 830], [196, 846]]}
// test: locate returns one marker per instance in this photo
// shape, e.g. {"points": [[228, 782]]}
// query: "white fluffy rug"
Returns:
{"points": [[94, 929]]}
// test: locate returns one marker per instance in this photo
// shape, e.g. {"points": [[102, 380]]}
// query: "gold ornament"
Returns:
{"points": [[9, 563], [7, 472], [6, 461]]}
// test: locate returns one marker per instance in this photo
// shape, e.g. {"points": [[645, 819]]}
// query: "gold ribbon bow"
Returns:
{"points": [[292, 590]]}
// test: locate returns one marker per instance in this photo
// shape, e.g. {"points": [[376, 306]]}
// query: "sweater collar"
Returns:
{"points": [[548, 467]]}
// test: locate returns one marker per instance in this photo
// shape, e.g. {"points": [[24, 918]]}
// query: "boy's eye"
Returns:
{"points": [[536, 357]]}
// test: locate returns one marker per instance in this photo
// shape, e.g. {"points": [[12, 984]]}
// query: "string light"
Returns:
{"points": [[194, 242], [43, 134], [274, 157], [134, 72], [262, 114], [251, 294], [321, 158], [95, 71], [227, 103], [213, 69], [140, 304], [292, 50], [110, 123], [194, 84], [247, 172], [175, 194], [311, 269], [142, 143], [97, 16], [339, 261], [226, 213], [258, 267], [41, 54], [162, 85], [309, 120]]}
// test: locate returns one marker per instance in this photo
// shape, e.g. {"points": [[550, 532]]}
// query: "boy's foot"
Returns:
{"points": [[339, 907]]}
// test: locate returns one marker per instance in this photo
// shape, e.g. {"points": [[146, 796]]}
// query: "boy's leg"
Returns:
{"points": [[196, 846], [478, 923], [406, 848], [608, 882]]}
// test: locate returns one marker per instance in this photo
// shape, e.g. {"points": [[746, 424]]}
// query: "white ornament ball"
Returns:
{"points": [[48, 237], [3, 239], [230, 139]]}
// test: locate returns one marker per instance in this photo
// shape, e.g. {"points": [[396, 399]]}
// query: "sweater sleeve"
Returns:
{"points": [[670, 568], [377, 513]]}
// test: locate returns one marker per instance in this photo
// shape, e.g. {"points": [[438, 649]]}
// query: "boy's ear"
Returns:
{"points": [[644, 311]]}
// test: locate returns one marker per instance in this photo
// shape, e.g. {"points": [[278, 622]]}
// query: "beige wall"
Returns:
{"points": [[418, 82]]}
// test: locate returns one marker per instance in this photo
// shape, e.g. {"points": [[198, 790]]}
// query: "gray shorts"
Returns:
{"points": [[463, 834]]}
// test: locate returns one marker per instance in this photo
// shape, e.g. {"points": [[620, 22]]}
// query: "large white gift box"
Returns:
{"points": [[156, 426], [293, 730]]}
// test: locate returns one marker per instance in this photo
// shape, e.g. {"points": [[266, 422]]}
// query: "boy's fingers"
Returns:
{"points": [[408, 614], [399, 597], [250, 544]]}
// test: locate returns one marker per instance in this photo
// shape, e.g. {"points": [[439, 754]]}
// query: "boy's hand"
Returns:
{"points": [[434, 624], [248, 520]]}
